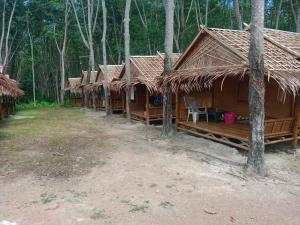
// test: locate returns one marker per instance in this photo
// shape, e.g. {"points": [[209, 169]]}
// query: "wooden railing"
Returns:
{"points": [[279, 127]]}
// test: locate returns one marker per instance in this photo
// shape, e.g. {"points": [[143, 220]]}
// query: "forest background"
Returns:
{"points": [[44, 20]]}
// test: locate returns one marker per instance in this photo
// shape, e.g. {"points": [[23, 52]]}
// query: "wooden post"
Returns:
{"points": [[111, 102], [1, 109], [147, 107], [177, 109], [295, 133]]}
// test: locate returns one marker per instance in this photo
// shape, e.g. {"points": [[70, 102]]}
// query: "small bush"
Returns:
{"points": [[38, 105]]}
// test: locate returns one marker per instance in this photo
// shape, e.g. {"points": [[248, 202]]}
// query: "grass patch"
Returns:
{"points": [[47, 197], [37, 105], [166, 204], [98, 214], [139, 208]]}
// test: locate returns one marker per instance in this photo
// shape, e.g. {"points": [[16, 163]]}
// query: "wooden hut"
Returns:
{"points": [[86, 86], [116, 99], [146, 96], [9, 91], [75, 93], [214, 72]]}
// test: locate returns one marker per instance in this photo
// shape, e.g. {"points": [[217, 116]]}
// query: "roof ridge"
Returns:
{"points": [[282, 31]]}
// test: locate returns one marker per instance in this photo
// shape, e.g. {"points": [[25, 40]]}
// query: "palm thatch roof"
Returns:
{"points": [[74, 84], [113, 72], [216, 53], [144, 70], [84, 84], [9, 87]]}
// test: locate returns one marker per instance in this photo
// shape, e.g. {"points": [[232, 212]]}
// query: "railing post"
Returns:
{"points": [[295, 133]]}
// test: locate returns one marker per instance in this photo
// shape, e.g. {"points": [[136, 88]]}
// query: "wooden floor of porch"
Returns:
{"points": [[237, 135]]}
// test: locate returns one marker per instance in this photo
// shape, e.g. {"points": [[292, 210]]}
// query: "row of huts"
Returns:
{"points": [[212, 74], [9, 91]]}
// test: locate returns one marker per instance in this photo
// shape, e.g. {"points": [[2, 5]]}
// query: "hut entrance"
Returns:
{"points": [[145, 106]]}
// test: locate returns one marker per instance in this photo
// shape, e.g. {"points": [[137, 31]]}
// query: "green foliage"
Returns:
{"points": [[38, 105], [147, 21]]}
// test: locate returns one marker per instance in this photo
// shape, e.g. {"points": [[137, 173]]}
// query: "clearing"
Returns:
{"points": [[72, 166]]}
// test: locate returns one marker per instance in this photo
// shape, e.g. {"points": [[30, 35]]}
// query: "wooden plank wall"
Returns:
{"points": [[139, 101], [233, 96]]}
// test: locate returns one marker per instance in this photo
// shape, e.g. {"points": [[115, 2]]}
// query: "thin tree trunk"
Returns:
{"points": [[206, 12], [278, 13], [88, 41], [298, 19], [255, 162], [63, 55], [167, 129], [32, 65], [3, 31], [295, 8], [238, 15], [6, 56], [127, 56], [104, 10]]}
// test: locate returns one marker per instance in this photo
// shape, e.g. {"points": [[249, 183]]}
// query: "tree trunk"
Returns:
{"points": [[255, 162], [206, 12], [167, 129], [63, 55], [278, 13], [32, 63], [238, 15], [127, 55], [298, 19], [106, 93], [3, 31], [7, 50]]}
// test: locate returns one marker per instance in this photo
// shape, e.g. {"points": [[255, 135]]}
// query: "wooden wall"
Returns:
{"points": [[139, 102], [204, 98], [233, 96]]}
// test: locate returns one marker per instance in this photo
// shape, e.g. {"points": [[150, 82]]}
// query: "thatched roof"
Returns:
{"points": [[113, 72], [144, 70], [84, 75], [84, 84], [9, 87], [74, 84], [216, 53]]}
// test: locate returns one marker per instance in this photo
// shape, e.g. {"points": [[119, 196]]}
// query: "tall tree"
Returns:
{"points": [[238, 15], [104, 11], [295, 5], [127, 56], [255, 162], [32, 62], [87, 38], [167, 94], [278, 13], [62, 51], [5, 34]]}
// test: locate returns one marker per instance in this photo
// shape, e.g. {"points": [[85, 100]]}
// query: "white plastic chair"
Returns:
{"points": [[194, 109]]}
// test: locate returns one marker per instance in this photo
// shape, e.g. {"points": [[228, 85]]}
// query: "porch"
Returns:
{"points": [[151, 114], [237, 135]]}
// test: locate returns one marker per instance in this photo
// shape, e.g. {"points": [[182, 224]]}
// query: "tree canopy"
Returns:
{"points": [[147, 29]]}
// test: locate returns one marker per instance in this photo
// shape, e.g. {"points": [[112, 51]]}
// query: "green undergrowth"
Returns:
{"points": [[37, 105]]}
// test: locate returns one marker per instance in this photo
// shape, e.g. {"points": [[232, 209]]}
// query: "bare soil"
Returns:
{"points": [[72, 166]]}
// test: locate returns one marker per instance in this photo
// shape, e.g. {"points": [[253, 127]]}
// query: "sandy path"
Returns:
{"points": [[87, 169]]}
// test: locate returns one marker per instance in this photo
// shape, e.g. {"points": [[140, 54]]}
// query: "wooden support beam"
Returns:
{"points": [[147, 107], [177, 110], [295, 133]]}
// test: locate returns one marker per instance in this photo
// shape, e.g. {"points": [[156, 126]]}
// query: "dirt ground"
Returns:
{"points": [[71, 166]]}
